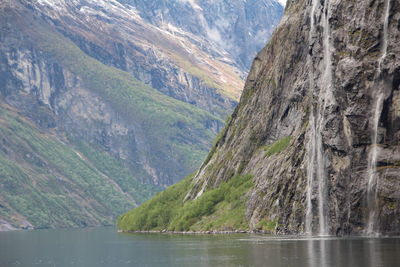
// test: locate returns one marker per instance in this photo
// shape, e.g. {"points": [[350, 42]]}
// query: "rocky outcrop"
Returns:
{"points": [[168, 59], [238, 28], [318, 123], [72, 153], [49, 181], [133, 105]]}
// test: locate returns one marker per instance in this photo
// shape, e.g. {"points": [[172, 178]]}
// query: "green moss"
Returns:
{"points": [[219, 208], [391, 206], [266, 225], [277, 147], [343, 54]]}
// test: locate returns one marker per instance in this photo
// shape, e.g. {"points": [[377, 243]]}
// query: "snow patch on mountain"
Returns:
{"points": [[282, 2]]}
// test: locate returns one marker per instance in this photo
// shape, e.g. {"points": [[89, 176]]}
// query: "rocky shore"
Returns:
{"points": [[210, 232]]}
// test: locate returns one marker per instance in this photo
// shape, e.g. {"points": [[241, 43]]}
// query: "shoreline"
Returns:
{"points": [[211, 232], [253, 232]]}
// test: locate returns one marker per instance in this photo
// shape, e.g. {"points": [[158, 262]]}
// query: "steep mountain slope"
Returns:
{"points": [[239, 28], [109, 109], [317, 130], [99, 104], [166, 60], [48, 182]]}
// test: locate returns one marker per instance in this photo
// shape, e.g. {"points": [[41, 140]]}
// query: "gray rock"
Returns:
{"points": [[319, 80]]}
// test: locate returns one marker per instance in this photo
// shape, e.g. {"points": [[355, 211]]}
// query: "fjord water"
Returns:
{"points": [[105, 247]]}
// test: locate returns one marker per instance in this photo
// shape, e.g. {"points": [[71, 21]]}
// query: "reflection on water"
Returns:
{"points": [[105, 247]]}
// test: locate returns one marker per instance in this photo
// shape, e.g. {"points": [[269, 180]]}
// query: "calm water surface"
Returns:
{"points": [[99, 247]]}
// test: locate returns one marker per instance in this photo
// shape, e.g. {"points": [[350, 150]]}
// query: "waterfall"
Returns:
{"points": [[316, 169], [374, 152], [310, 175], [385, 37], [372, 162], [327, 98], [311, 142]]}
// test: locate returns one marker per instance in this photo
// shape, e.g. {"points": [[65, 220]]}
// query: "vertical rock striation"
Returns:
{"points": [[329, 81], [239, 28], [133, 104]]}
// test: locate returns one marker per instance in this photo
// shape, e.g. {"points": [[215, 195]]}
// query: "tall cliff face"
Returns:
{"points": [[165, 58], [53, 82], [317, 127], [133, 106], [49, 181], [240, 28], [328, 84]]}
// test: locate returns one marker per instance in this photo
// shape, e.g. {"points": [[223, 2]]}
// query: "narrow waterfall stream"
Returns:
{"points": [[328, 99], [310, 175], [316, 169], [311, 142], [372, 163], [374, 152], [385, 37]]}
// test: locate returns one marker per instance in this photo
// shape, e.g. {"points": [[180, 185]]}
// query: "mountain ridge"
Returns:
{"points": [[134, 107], [316, 129]]}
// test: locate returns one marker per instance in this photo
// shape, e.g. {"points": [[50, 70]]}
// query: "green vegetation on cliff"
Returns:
{"points": [[221, 208], [47, 183], [50, 179], [175, 128], [277, 147]]}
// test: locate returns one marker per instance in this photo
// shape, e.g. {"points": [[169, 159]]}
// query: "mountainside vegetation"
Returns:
{"points": [[221, 208], [317, 129], [46, 181], [172, 125], [52, 177], [102, 107]]}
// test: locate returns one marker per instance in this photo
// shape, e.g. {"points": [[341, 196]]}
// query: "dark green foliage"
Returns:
{"points": [[277, 147], [173, 128], [51, 184], [219, 208], [157, 212], [120, 173], [268, 226]]}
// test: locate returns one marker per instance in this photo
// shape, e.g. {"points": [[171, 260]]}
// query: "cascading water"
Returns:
{"points": [[372, 162], [385, 37], [373, 155], [316, 156], [310, 175], [311, 142]]}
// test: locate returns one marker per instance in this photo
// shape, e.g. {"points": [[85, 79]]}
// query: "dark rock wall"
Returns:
{"points": [[329, 78]]}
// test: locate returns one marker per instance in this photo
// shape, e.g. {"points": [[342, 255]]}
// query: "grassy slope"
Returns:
{"points": [[49, 183], [176, 128], [222, 208]]}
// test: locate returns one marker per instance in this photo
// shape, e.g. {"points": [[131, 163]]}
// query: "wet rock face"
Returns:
{"points": [[329, 78]]}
